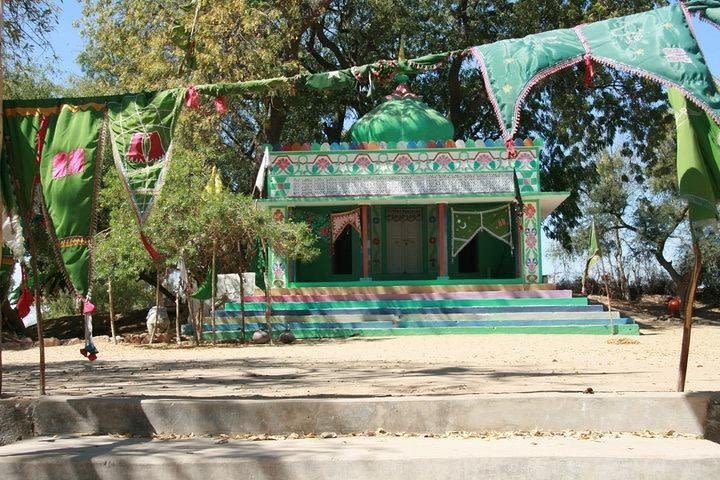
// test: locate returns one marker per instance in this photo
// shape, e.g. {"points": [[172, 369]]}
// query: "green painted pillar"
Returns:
{"points": [[531, 266]]}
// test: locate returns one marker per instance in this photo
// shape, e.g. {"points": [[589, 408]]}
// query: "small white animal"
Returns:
{"points": [[157, 320]]}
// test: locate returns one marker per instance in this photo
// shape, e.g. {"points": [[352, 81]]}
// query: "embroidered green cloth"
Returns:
{"points": [[657, 44], [141, 129]]}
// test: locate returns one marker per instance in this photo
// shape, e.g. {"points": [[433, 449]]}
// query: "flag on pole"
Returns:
{"points": [[698, 158], [204, 291], [593, 255], [260, 180]]}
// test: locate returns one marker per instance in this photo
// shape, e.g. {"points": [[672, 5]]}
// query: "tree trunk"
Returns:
{"points": [[623, 281]]}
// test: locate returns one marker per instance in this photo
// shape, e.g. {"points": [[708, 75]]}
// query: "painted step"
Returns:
{"points": [[607, 329], [425, 315], [575, 301], [279, 311], [497, 294], [279, 325], [411, 286]]}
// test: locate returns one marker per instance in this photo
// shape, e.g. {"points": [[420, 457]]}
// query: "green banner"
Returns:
{"points": [[20, 131], [468, 223], [698, 158], [69, 175]]}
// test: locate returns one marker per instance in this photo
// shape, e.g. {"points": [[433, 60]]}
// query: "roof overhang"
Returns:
{"points": [[549, 201]]}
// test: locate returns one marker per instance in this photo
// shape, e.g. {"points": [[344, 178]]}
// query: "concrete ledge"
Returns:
{"points": [[658, 412], [15, 420], [388, 458]]}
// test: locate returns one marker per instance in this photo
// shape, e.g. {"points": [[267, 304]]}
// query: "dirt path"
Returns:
{"points": [[424, 365]]}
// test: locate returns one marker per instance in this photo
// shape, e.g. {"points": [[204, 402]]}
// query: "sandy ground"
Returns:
{"points": [[424, 365]]}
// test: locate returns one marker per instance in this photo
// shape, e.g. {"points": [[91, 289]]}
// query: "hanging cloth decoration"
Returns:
{"points": [[70, 165], [468, 223], [698, 159], [338, 222], [658, 45], [21, 126], [141, 132]]}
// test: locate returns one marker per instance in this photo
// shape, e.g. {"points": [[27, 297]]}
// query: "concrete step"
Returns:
{"points": [[691, 414], [350, 458]]}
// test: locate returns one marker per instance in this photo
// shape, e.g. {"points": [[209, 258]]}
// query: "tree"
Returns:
{"points": [[135, 46]]}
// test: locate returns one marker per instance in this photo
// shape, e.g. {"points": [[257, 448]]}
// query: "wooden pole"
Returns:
{"points": [[38, 310], [2, 142], [212, 295], [687, 324], [242, 293], [112, 313], [177, 316], [268, 296]]}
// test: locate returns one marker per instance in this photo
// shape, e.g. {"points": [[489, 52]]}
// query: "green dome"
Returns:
{"points": [[402, 118]]}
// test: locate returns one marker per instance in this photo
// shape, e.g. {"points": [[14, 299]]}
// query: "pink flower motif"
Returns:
{"points": [[403, 161], [443, 159], [322, 162], [282, 162], [484, 158], [363, 161], [530, 242], [324, 231], [68, 163]]}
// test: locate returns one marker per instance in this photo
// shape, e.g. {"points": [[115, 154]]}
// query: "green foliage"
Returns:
{"points": [[25, 29]]}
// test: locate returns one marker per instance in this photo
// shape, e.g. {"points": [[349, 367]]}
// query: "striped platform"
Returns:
{"points": [[313, 314]]}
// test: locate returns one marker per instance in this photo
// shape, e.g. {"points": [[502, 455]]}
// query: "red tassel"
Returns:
{"points": [[150, 249], [510, 147], [24, 302], [192, 97], [88, 308], [589, 71], [220, 105]]}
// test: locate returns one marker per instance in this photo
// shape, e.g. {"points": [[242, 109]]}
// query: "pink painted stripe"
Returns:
{"points": [[417, 296]]}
